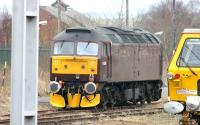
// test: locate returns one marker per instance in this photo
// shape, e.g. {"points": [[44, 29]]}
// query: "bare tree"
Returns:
{"points": [[159, 18], [5, 28]]}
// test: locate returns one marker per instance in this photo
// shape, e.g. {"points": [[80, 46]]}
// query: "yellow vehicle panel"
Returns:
{"points": [[74, 65], [90, 100], [57, 100], [73, 100], [186, 84]]}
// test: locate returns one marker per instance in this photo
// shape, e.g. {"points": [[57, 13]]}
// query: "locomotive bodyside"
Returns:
{"points": [[105, 65], [144, 62]]}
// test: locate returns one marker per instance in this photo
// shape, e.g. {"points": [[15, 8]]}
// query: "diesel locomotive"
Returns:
{"points": [[184, 79], [104, 66]]}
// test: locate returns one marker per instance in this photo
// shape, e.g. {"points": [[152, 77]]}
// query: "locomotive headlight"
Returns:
{"points": [[90, 88], [170, 76], [54, 86]]}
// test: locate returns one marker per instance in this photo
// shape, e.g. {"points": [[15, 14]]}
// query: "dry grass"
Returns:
{"points": [[43, 83], [4, 91], [5, 100], [5, 88]]}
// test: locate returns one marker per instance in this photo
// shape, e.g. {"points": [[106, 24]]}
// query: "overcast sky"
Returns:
{"points": [[97, 6]]}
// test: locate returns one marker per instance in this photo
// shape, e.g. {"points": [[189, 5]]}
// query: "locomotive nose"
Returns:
{"points": [[74, 65]]}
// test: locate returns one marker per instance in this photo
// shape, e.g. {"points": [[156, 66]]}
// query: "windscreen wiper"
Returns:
{"points": [[87, 45], [188, 66], [62, 44]]}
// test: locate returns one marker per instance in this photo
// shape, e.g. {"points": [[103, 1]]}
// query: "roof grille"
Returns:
{"points": [[83, 30]]}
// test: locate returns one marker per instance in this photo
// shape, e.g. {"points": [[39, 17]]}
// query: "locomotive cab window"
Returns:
{"points": [[63, 48], [87, 48], [75, 48], [105, 50], [190, 55]]}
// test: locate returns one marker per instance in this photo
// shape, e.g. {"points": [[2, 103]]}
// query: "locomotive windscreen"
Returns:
{"points": [[75, 48], [87, 48], [190, 55], [64, 48]]}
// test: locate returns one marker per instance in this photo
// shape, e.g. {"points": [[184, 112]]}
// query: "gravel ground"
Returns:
{"points": [[156, 119]]}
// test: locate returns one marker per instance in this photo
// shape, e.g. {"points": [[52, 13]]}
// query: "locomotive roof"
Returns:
{"points": [[107, 34], [82, 34]]}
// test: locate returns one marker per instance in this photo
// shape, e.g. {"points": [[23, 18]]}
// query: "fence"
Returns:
{"points": [[44, 60]]}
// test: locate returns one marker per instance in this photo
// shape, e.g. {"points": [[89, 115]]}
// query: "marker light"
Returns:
{"points": [[170, 76], [177, 76]]}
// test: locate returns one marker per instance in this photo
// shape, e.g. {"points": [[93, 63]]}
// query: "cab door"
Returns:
{"points": [[105, 62], [184, 70]]}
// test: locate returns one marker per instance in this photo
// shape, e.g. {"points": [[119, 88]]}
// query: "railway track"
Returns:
{"points": [[52, 117]]}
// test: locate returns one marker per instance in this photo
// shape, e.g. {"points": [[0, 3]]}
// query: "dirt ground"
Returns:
{"points": [[156, 119]]}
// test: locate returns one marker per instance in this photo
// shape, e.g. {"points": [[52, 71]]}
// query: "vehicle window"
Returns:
{"points": [[190, 55], [125, 38], [133, 38], [87, 48], [113, 38], [108, 49], [153, 39], [146, 38], [141, 40], [63, 48], [104, 50]]}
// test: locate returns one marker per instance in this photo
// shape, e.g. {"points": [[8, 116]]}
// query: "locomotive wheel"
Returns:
{"points": [[104, 98], [116, 96], [149, 101], [134, 101]]}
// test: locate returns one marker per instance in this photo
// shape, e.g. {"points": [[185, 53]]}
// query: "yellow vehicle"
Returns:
{"points": [[184, 78]]}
